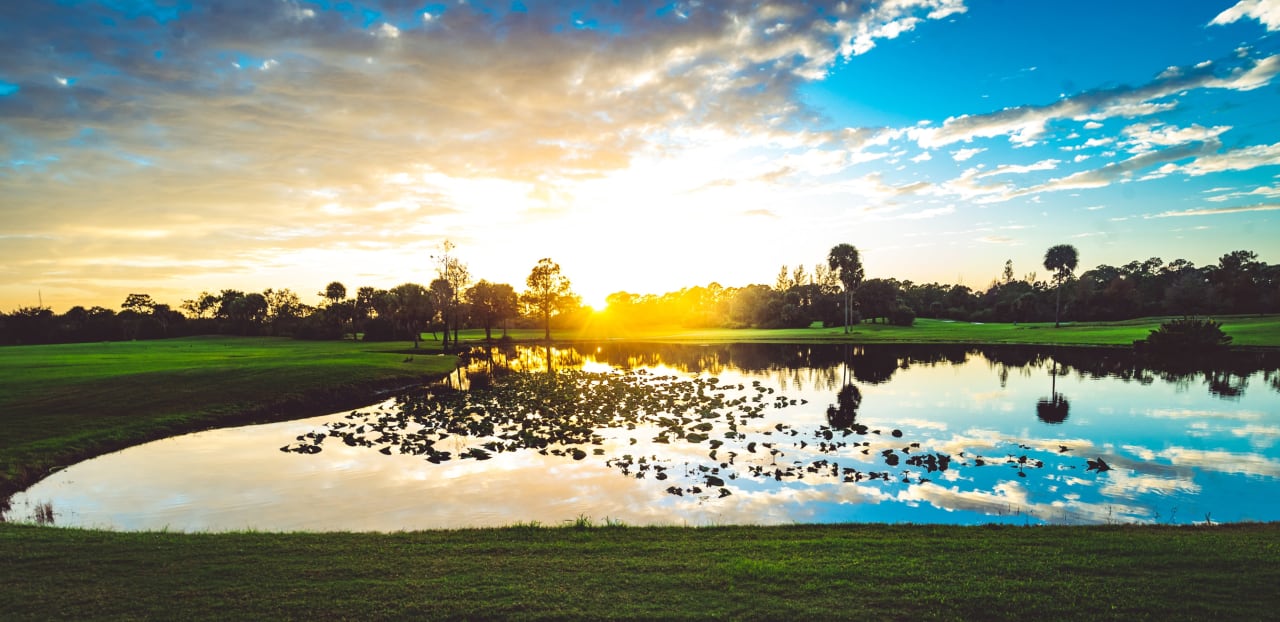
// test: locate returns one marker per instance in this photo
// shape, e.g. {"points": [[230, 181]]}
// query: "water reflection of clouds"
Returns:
{"points": [[1126, 484], [355, 488], [1259, 436], [1222, 461], [1011, 498], [1187, 413]]}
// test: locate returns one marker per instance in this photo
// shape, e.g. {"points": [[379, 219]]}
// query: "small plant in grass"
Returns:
{"points": [[1187, 335], [44, 513]]}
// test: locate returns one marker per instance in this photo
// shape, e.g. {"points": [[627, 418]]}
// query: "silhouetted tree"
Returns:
{"points": [[491, 303], [455, 273], [548, 292], [844, 260], [1061, 260], [411, 307]]}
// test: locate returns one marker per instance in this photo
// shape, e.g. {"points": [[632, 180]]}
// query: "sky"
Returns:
{"points": [[172, 147]]}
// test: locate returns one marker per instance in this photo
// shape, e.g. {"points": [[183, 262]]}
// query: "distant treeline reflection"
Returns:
{"points": [[822, 366]]}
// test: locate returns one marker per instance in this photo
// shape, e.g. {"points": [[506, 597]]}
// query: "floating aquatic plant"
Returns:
{"points": [[567, 413]]}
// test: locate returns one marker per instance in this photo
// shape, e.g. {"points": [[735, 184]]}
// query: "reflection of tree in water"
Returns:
{"points": [[1053, 410], [1224, 374], [565, 413], [844, 413], [1225, 384]]}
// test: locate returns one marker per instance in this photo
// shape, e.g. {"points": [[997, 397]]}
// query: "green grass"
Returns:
{"points": [[1253, 330], [856, 572], [64, 403]]}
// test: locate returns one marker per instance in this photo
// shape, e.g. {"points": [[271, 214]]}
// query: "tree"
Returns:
{"points": [[201, 306], [491, 303], [141, 304], [455, 273], [284, 310], [334, 292], [877, 298], [336, 307], [410, 307], [1061, 260], [442, 297], [548, 292], [844, 261]]}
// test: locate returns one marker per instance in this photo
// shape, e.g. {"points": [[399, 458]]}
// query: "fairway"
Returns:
{"points": [[64, 403], [1251, 330]]}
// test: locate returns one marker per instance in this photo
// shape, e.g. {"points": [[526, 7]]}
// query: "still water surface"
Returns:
{"points": [[735, 434]]}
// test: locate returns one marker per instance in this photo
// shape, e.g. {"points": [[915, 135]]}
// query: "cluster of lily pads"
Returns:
{"points": [[717, 427]]}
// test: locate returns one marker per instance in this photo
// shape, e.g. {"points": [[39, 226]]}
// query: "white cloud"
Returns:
{"points": [[1024, 125], [923, 157], [1265, 11], [388, 31], [1235, 160], [1218, 211], [1142, 137], [960, 155], [1268, 192], [1013, 169]]}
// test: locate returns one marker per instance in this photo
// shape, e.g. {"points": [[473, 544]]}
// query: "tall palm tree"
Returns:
{"points": [[844, 260], [1061, 260]]}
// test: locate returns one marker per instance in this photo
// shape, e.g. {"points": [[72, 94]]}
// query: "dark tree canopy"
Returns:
{"points": [[1061, 260], [847, 265]]}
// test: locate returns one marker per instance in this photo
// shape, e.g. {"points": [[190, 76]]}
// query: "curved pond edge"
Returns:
{"points": [[316, 401], [309, 402]]}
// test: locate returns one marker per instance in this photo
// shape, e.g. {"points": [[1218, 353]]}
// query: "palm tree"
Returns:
{"points": [[1061, 260], [844, 260]]}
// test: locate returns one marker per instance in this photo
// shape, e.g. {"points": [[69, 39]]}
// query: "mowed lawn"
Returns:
{"points": [[64, 403], [1252, 330], [811, 572]]}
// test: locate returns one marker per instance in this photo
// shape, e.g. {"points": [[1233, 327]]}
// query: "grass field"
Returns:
{"points": [[63, 403], [854, 572], [1252, 330]]}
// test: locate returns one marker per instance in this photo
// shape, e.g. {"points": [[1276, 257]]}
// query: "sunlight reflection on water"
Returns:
{"points": [[1177, 453]]}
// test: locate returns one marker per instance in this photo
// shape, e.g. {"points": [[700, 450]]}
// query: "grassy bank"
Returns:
{"points": [[1253, 330], [803, 572], [63, 403]]}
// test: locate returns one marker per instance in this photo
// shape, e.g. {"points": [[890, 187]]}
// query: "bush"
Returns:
{"points": [[317, 328], [902, 316], [1187, 335], [379, 329]]}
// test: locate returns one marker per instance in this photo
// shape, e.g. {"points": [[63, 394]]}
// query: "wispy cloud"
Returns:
{"points": [[1217, 211], [1025, 125]]}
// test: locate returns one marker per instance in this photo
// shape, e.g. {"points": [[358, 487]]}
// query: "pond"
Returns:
{"points": [[646, 434]]}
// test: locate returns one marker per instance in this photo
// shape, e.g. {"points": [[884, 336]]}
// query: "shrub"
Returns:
{"points": [[1187, 335], [379, 329], [902, 316]]}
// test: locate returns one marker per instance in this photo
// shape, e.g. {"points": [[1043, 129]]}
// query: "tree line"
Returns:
{"points": [[833, 293]]}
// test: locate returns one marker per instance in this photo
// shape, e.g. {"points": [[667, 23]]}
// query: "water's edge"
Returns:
{"points": [[295, 406]]}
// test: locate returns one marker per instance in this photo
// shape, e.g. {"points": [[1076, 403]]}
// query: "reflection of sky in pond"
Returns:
{"points": [[1177, 454]]}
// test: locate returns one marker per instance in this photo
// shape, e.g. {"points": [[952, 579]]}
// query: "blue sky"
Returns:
{"points": [[173, 147]]}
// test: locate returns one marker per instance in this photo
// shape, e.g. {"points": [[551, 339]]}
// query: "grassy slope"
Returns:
{"points": [[803, 572], [1245, 330], [63, 403]]}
